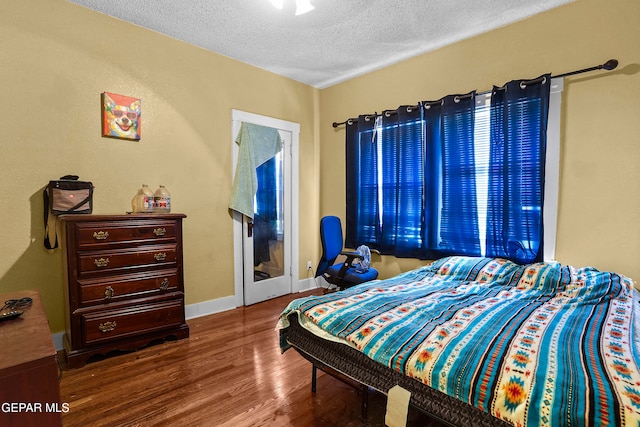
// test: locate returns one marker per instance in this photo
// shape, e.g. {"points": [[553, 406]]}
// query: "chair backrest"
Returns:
{"points": [[331, 238]]}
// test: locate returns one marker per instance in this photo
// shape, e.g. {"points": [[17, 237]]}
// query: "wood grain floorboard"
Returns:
{"points": [[229, 372]]}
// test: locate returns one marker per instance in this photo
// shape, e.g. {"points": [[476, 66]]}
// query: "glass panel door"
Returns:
{"points": [[267, 238], [268, 221]]}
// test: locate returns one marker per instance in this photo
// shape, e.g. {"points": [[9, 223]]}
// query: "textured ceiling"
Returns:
{"points": [[338, 40]]}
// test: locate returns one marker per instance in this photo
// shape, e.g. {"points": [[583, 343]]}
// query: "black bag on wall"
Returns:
{"points": [[64, 196], [68, 195]]}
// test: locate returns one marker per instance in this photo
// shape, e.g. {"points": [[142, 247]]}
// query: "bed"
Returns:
{"points": [[483, 341]]}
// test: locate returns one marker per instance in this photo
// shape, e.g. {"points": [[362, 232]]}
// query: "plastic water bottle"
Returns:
{"points": [[135, 202], [143, 200], [147, 201], [162, 200]]}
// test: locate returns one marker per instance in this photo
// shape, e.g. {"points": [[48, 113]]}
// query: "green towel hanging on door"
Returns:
{"points": [[257, 145]]}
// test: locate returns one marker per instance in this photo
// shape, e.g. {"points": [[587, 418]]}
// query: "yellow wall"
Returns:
{"points": [[56, 58], [599, 206]]}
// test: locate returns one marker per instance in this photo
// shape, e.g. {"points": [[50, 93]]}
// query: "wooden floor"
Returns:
{"points": [[229, 372]]}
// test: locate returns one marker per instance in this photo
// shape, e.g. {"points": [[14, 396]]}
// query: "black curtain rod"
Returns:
{"points": [[609, 65]]}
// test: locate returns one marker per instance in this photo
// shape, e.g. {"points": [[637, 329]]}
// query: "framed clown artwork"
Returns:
{"points": [[121, 116]]}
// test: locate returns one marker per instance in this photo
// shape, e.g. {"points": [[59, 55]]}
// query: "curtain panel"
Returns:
{"points": [[362, 219], [453, 219], [401, 148], [519, 113]]}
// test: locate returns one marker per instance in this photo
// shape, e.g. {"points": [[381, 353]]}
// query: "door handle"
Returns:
{"points": [[250, 229]]}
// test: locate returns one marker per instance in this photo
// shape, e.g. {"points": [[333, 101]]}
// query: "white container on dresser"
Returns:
{"points": [[123, 282]]}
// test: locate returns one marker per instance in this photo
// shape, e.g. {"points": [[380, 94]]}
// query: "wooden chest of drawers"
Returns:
{"points": [[123, 282]]}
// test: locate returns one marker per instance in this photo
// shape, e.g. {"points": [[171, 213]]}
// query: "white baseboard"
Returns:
{"points": [[310, 283], [57, 340], [213, 306]]}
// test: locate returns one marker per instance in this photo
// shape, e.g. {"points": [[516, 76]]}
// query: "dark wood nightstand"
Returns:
{"points": [[29, 389]]}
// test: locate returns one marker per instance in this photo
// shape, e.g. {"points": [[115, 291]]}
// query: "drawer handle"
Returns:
{"points": [[101, 262], [107, 326], [159, 232], [164, 285], [160, 256], [100, 235], [108, 293]]}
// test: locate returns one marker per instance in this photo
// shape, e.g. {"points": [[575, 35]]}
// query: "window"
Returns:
{"points": [[429, 182]]}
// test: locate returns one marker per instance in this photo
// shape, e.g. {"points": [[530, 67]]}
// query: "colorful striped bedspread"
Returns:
{"points": [[536, 345]]}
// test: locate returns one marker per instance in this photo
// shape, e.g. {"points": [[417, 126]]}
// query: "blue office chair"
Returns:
{"points": [[342, 275]]}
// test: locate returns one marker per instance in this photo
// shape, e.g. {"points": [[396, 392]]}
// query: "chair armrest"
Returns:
{"points": [[357, 254], [351, 255], [347, 263]]}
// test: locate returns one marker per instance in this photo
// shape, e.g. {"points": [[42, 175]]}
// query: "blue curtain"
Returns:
{"points": [[402, 158], [453, 216], [519, 113], [362, 213], [412, 178]]}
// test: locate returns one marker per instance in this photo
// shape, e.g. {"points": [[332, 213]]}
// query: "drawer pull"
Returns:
{"points": [[159, 232], [107, 326], [160, 256], [164, 285], [101, 262], [100, 235], [108, 293]]}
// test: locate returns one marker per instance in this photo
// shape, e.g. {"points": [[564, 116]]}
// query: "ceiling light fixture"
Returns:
{"points": [[278, 3], [302, 6]]}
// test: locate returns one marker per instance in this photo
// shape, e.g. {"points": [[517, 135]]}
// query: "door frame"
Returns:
{"points": [[238, 116]]}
